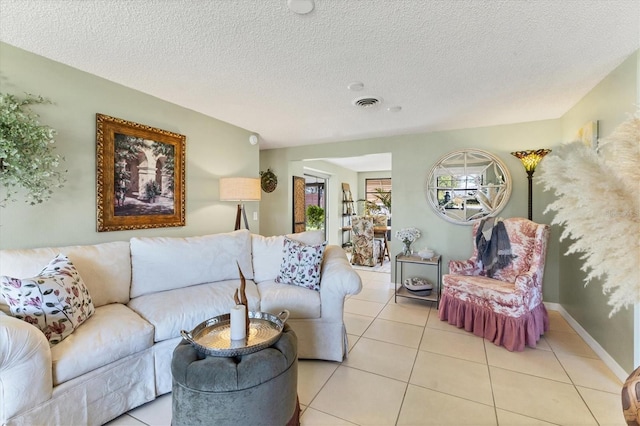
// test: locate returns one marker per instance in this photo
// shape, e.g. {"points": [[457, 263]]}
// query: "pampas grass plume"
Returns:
{"points": [[598, 203]]}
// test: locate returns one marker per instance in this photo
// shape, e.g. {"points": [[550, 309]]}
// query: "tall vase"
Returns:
{"points": [[406, 250]]}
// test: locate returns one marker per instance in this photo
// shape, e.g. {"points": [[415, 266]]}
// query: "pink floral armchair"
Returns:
{"points": [[506, 309], [366, 248]]}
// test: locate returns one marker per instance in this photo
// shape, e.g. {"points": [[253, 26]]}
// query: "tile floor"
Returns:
{"points": [[406, 367]]}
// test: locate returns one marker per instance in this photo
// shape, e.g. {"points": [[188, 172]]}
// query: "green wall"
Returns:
{"points": [[276, 207], [414, 155], [213, 149], [412, 158], [611, 102]]}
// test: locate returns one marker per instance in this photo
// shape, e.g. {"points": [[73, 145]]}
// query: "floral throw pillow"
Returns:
{"points": [[56, 300], [301, 264]]}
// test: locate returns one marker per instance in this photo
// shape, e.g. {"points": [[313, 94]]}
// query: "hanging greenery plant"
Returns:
{"points": [[27, 160]]}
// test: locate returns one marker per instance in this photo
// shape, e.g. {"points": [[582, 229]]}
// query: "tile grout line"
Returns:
{"points": [[341, 365], [425, 327], [493, 395], [406, 387], [415, 359], [573, 384]]}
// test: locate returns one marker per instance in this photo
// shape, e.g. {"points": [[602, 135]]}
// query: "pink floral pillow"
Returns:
{"points": [[301, 264], [56, 300]]}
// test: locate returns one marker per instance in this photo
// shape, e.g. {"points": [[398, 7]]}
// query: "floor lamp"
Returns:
{"points": [[240, 189], [530, 160]]}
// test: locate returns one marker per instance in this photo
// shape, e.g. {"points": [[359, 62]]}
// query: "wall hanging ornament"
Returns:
{"points": [[268, 181]]}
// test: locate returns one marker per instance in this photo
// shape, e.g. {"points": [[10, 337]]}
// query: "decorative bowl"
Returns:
{"points": [[418, 284], [426, 254]]}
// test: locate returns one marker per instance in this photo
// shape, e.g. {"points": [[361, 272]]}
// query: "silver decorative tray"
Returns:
{"points": [[213, 336]]}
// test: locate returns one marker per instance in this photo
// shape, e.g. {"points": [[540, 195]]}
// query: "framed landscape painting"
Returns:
{"points": [[140, 176]]}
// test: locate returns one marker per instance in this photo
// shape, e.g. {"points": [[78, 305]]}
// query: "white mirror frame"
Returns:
{"points": [[482, 186]]}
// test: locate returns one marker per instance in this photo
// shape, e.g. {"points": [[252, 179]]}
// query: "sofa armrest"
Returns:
{"points": [[338, 279], [25, 367], [465, 267]]}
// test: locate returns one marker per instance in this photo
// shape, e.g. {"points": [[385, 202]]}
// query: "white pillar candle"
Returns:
{"points": [[238, 322]]}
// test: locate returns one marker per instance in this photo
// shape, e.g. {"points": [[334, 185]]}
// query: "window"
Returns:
{"points": [[378, 192]]}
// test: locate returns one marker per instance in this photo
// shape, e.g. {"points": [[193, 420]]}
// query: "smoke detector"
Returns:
{"points": [[367, 101], [301, 7]]}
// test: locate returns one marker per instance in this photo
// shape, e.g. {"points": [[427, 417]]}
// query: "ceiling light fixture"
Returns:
{"points": [[301, 7], [395, 108], [356, 86]]}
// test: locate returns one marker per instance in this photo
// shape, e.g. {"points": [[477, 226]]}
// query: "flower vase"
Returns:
{"points": [[406, 250]]}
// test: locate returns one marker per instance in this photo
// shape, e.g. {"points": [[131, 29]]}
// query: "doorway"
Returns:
{"points": [[315, 202]]}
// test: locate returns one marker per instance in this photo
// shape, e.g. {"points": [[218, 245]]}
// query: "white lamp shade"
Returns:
{"points": [[240, 189]]}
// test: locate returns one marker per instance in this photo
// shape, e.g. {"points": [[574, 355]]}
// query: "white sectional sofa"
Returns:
{"points": [[144, 292]]}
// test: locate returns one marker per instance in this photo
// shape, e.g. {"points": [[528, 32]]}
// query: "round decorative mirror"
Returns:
{"points": [[468, 185]]}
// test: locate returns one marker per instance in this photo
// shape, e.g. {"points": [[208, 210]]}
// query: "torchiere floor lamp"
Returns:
{"points": [[530, 160]]}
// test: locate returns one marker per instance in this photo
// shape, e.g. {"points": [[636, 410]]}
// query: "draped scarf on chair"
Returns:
{"points": [[494, 247]]}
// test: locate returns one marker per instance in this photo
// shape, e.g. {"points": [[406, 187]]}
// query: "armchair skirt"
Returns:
{"points": [[507, 308]]}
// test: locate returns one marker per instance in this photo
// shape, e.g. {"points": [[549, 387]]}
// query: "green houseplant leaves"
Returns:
{"points": [[27, 161]]}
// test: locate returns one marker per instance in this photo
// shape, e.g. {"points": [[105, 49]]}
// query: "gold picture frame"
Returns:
{"points": [[140, 176]]}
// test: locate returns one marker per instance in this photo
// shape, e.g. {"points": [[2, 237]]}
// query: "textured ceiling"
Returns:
{"points": [[364, 163], [256, 64]]}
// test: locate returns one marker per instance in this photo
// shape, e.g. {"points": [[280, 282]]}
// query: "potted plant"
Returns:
{"points": [[27, 160], [315, 217], [382, 205]]}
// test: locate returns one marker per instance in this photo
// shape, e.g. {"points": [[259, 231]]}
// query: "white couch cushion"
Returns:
{"points": [[104, 268], [268, 255], [113, 332], [301, 302], [162, 263], [183, 309], [56, 300]]}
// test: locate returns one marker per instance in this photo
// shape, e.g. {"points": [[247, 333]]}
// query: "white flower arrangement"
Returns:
{"points": [[408, 235]]}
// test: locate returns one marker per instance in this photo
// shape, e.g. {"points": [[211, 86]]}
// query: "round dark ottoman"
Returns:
{"points": [[256, 389]]}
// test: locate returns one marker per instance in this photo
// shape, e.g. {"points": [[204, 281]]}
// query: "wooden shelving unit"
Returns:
{"points": [[348, 210]]}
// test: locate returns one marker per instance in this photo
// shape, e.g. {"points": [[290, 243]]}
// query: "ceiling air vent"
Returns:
{"points": [[367, 101]]}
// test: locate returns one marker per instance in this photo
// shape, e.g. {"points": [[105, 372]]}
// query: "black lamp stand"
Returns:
{"points": [[241, 212], [530, 179]]}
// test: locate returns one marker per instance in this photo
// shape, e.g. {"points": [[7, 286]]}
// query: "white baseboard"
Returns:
{"points": [[593, 344]]}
